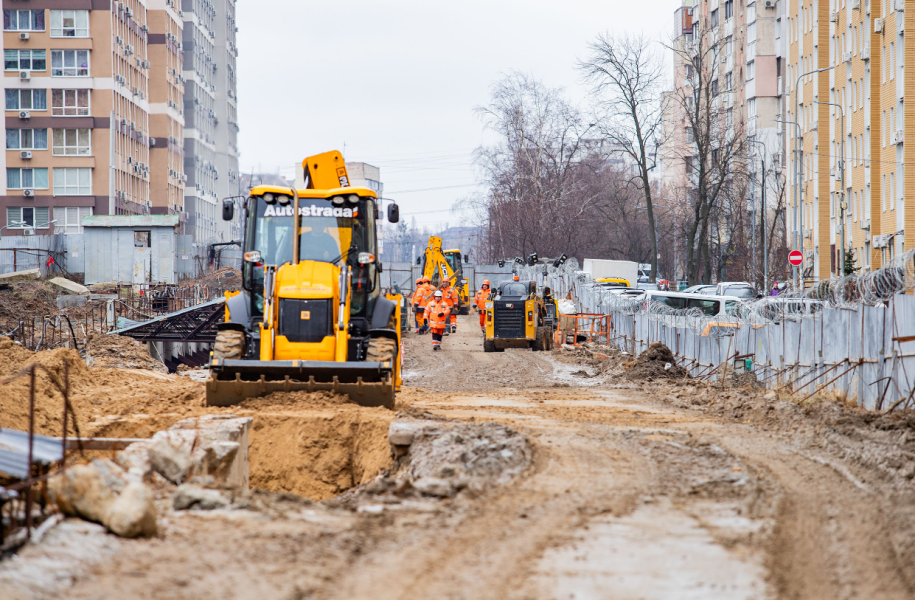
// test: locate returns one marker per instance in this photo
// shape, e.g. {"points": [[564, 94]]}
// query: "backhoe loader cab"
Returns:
{"points": [[439, 265], [311, 316], [517, 318]]}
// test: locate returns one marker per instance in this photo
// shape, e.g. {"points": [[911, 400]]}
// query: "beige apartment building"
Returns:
{"points": [[853, 124], [93, 114]]}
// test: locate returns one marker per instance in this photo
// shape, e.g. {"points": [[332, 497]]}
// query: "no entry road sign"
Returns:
{"points": [[795, 258]]}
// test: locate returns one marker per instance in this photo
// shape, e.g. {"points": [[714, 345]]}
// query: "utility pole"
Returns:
{"points": [[762, 220]]}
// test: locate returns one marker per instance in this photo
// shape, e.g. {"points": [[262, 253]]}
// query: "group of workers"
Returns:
{"points": [[435, 310]]}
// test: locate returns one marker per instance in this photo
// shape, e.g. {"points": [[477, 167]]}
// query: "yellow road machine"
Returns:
{"points": [[439, 265], [517, 317], [311, 315]]}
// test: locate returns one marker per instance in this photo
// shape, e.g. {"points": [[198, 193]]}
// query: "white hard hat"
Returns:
{"points": [[438, 292]]}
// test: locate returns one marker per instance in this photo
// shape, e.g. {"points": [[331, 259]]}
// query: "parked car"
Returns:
{"points": [[647, 286], [695, 289], [737, 289], [710, 306]]}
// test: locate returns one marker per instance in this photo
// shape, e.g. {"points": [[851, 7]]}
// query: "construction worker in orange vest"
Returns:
{"points": [[424, 299], [479, 301], [450, 296], [437, 314], [417, 311]]}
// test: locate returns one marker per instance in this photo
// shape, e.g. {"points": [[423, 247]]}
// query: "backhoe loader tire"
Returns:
{"points": [[229, 344], [381, 350], [541, 340], [490, 346]]}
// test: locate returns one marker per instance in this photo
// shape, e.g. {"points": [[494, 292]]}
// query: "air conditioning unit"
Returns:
{"points": [[118, 40], [865, 53], [25, 154], [847, 57], [142, 96], [866, 224], [135, 91], [25, 75], [123, 122], [899, 137], [129, 13], [28, 193], [900, 5], [878, 25], [145, 64], [24, 114], [769, 4], [855, 4], [133, 125], [144, 29], [833, 16], [128, 50], [23, 36]]}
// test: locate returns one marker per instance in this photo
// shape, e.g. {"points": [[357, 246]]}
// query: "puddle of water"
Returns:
{"points": [[655, 553]]}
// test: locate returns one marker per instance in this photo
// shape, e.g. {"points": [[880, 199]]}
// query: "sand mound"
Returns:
{"points": [[119, 352], [656, 362]]}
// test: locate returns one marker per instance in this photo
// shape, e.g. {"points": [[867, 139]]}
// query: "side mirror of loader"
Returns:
{"points": [[228, 210], [393, 213]]}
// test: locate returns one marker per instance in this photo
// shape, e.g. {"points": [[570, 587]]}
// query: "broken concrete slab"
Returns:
{"points": [[133, 513], [69, 286], [190, 496], [27, 275], [70, 301]]}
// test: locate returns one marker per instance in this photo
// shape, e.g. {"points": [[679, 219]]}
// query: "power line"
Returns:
{"points": [[444, 187]]}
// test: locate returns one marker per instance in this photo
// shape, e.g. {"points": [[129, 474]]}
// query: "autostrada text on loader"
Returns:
{"points": [[311, 315]]}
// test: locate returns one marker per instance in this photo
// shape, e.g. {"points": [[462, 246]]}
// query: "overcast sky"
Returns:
{"points": [[396, 81]]}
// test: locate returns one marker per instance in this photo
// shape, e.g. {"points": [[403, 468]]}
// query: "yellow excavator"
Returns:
{"points": [[439, 265], [311, 315]]}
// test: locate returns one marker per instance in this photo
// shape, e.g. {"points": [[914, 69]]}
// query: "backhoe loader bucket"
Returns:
{"points": [[366, 383]]}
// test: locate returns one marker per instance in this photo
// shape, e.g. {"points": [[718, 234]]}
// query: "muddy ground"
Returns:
{"points": [[590, 483]]}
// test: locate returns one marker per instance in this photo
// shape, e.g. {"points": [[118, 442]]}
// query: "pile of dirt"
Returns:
{"points": [[657, 362], [27, 299], [227, 278], [119, 352]]}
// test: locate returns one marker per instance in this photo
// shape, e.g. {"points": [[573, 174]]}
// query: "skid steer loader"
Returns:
{"points": [[517, 317], [311, 315]]}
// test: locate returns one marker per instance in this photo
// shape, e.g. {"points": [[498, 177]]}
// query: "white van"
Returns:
{"points": [[711, 306]]}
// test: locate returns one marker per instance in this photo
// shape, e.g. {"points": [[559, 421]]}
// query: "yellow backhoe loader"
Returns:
{"points": [[439, 265], [311, 315]]}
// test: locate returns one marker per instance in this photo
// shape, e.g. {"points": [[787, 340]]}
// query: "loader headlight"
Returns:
{"points": [[353, 199], [269, 198], [337, 200], [253, 257], [366, 258], [284, 200]]}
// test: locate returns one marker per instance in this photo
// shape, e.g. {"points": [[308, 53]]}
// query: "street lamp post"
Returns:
{"points": [[762, 218], [842, 204], [676, 248], [799, 234], [796, 177]]}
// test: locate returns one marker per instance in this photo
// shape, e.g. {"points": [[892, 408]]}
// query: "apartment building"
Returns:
{"points": [[166, 108], [734, 45], [211, 122], [79, 87], [851, 132]]}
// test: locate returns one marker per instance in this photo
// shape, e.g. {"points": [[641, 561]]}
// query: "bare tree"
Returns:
{"points": [[537, 200], [713, 155], [627, 75]]}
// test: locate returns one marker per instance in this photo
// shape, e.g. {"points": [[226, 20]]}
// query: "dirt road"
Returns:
{"points": [[636, 490]]}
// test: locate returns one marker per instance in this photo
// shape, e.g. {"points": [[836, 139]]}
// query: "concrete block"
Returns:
{"points": [[68, 286], [70, 301], [209, 430], [27, 275]]}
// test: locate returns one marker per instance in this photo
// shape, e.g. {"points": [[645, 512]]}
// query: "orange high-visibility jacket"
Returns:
{"points": [[433, 310], [427, 291], [480, 298], [419, 294], [450, 296]]}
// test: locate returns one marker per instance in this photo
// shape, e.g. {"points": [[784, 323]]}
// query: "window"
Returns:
{"points": [[728, 9], [883, 129], [70, 218], [893, 190], [22, 179], [27, 216], [892, 57], [71, 142], [715, 18], [26, 139], [25, 60], [883, 195], [883, 66], [69, 103], [69, 63], [69, 23], [26, 100], [713, 87], [72, 181], [23, 20]]}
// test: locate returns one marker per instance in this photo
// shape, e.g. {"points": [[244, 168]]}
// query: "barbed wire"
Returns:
{"points": [[871, 288]]}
